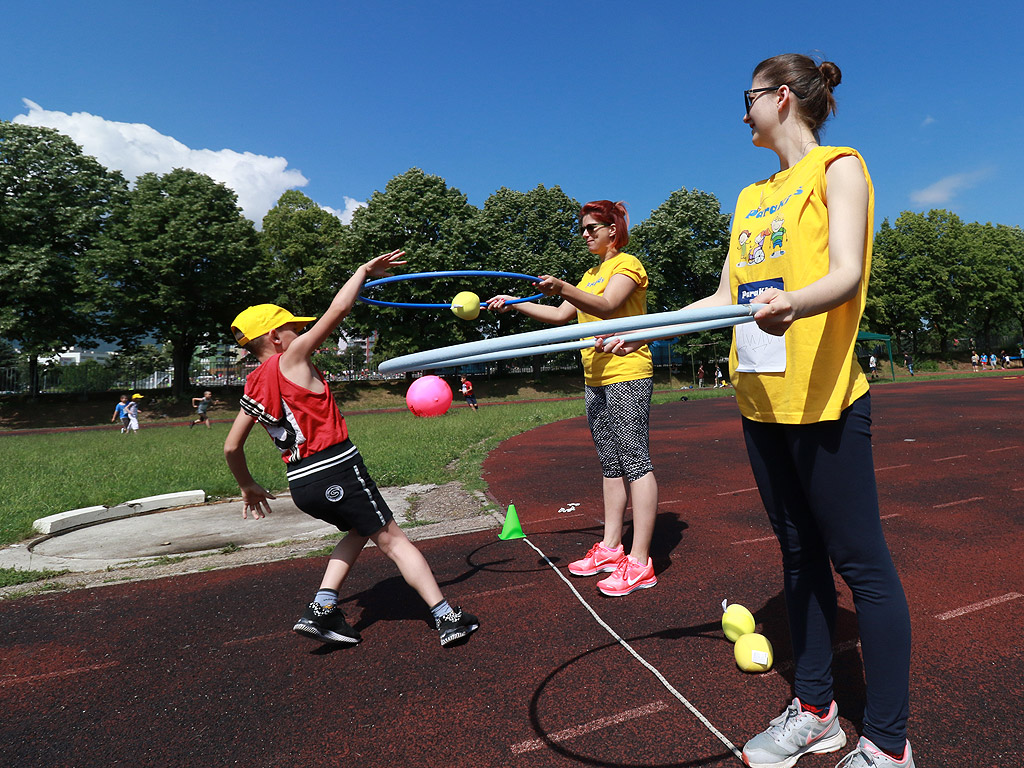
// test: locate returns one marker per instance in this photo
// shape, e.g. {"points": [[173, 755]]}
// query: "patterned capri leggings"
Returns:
{"points": [[619, 415]]}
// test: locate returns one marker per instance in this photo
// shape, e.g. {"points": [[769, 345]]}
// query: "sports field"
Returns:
{"points": [[204, 670]]}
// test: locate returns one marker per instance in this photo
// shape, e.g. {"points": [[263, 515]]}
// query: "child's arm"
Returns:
{"points": [[309, 342], [254, 496], [196, 401]]}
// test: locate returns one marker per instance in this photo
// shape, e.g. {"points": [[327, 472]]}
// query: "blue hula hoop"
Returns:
{"points": [[431, 275], [644, 327]]}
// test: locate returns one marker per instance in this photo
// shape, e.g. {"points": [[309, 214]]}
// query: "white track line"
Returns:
{"points": [[661, 678], [1007, 448], [593, 725], [738, 490], [894, 466], [62, 673], [755, 541], [955, 503], [978, 606], [950, 458]]}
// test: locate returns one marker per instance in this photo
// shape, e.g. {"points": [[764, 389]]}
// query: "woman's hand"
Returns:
{"points": [[613, 345], [550, 286], [779, 312], [499, 303]]}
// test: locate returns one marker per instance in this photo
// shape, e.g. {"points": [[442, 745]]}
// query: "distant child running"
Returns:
{"points": [[291, 399], [132, 410], [467, 392], [121, 413], [202, 405]]}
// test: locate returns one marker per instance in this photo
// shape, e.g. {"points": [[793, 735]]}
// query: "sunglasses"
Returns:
{"points": [[590, 229], [749, 98]]}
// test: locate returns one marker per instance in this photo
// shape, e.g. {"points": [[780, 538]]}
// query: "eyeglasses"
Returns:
{"points": [[590, 229], [748, 96]]}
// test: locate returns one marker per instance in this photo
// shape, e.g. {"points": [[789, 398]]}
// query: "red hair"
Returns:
{"points": [[607, 212]]}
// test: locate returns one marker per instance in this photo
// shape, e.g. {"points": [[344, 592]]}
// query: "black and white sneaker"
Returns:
{"points": [[456, 626], [327, 624]]}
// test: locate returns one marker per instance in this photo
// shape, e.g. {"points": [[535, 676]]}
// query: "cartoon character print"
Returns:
{"points": [[777, 233], [741, 240], [755, 255]]}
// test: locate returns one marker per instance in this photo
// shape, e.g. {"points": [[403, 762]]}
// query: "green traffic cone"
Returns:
{"points": [[512, 529]]}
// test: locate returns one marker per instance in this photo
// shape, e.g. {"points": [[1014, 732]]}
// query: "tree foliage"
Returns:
{"points": [[178, 263], [299, 238], [423, 216], [54, 202]]}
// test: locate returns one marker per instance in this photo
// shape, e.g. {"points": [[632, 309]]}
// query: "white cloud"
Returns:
{"points": [[136, 148], [944, 190], [351, 205], [927, 121]]}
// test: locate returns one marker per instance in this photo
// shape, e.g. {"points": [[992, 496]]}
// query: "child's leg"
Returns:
{"points": [[342, 559], [413, 566]]}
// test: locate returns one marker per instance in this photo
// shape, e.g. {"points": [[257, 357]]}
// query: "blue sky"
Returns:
{"points": [[607, 100]]}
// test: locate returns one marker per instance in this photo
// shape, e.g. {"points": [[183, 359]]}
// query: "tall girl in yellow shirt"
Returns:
{"points": [[618, 395], [801, 244]]}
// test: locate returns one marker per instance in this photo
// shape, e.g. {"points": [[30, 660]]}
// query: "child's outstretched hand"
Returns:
{"points": [[255, 497], [380, 266]]}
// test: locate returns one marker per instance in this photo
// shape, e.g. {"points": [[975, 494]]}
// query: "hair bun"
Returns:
{"points": [[830, 73]]}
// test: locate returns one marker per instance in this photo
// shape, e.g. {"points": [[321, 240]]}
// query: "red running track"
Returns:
{"points": [[203, 670]]}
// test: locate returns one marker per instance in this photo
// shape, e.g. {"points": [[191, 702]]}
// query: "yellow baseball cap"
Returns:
{"points": [[137, 396], [260, 319]]}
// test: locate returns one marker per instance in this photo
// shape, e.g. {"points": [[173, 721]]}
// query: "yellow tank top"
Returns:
{"points": [[601, 368], [780, 239]]}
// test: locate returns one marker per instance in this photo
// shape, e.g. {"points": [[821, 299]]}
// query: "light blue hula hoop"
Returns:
{"points": [[660, 325], [430, 275]]}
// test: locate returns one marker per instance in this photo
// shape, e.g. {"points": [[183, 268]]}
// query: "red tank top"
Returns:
{"points": [[299, 421]]}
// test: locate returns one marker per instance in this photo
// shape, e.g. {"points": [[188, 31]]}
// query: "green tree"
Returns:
{"points": [[683, 245], [420, 214], [178, 264], [533, 233], [298, 238], [54, 202], [994, 302], [923, 276]]}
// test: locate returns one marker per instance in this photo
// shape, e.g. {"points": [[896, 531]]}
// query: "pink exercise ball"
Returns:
{"points": [[429, 396]]}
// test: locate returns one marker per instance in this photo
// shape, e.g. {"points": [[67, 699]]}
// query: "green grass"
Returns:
{"points": [[47, 474], [10, 577]]}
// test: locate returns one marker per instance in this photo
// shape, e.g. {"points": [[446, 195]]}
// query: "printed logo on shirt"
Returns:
{"points": [[334, 493], [760, 213], [595, 282], [747, 292]]}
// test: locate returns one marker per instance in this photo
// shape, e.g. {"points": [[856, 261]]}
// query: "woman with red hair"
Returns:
{"points": [[618, 395]]}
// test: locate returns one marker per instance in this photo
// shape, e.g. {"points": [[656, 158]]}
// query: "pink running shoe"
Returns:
{"points": [[630, 576], [600, 559]]}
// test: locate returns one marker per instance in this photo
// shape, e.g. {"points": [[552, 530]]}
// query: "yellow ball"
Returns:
{"points": [[466, 305], [737, 621], [753, 653]]}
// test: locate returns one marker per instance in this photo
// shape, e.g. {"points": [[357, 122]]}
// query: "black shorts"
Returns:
{"points": [[334, 486], [201, 416]]}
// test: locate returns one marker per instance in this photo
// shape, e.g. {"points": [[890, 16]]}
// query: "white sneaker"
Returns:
{"points": [[792, 735], [867, 755]]}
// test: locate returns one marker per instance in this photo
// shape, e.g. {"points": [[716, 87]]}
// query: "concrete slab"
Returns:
{"points": [[196, 529]]}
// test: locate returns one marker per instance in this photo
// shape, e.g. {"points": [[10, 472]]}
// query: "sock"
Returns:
{"points": [[819, 712], [325, 597], [896, 756], [441, 610]]}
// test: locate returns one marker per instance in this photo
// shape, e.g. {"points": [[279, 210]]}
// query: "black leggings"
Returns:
{"points": [[817, 482]]}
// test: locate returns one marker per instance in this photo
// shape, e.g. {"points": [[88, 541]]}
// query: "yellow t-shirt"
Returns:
{"points": [[601, 368], [780, 239]]}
